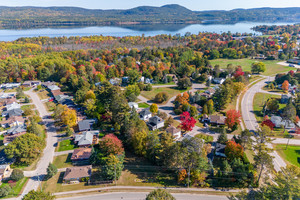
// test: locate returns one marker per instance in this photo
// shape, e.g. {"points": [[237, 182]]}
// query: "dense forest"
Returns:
{"points": [[25, 17]]}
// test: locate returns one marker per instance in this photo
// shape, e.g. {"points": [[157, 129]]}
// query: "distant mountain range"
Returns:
{"points": [[24, 17]]}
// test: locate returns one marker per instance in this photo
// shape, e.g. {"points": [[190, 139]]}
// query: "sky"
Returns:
{"points": [[125, 4]]}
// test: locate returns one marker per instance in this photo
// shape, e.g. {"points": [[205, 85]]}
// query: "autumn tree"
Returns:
{"points": [[187, 122], [68, 116], [258, 67], [182, 175], [38, 195], [285, 86], [233, 150], [139, 142], [159, 194], [110, 144], [184, 83], [154, 108], [161, 97], [272, 105], [233, 118], [268, 123]]}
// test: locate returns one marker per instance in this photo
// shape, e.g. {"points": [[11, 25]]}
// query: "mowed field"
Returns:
{"points": [[272, 68]]}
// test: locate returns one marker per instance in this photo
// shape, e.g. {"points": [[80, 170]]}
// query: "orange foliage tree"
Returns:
{"points": [[233, 150], [233, 117], [285, 86]]}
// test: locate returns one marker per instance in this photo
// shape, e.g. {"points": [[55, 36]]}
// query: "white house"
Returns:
{"points": [[133, 105], [218, 80], [145, 114], [155, 123], [12, 106], [174, 131], [278, 122]]}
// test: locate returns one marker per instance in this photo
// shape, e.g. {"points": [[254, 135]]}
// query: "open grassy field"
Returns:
{"points": [[66, 145], [43, 94], [291, 154], [272, 67], [170, 91], [63, 161]]}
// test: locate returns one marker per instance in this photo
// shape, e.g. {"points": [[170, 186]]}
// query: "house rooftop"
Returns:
{"points": [[81, 154], [78, 172], [86, 138], [85, 124], [172, 130]]}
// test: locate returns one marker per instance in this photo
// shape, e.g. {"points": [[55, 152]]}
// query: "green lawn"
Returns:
{"points": [[170, 83], [28, 107], [50, 106], [43, 94], [16, 187], [259, 101], [271, 65], [292, 154], [170, 91], [63, 161], [143, 105], [66, 145]]}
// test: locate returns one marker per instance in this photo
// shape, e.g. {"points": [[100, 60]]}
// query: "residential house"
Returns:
{"points": [[125, 80], [8, 139], [218, 80], [81, 156], [210, 91], [56, 92], [155, 123], [5, 172], [7, 101], [284, 99], [10, 85], [174, 77], [142, 79], [217, 120], [145, 114], [176, 133], [34, 83], [12, 106], [77, 174], [13, 121], [133, 105], [11, 113], [220, 150], [16, 130], [47, 84], [279, 122], [115, 81], [7, 96], [86, 125], [198, 107], [53, 87], [87, 138], [27, 84]]}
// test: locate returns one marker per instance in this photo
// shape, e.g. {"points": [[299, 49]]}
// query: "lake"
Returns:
{"points": [[133, 30]]}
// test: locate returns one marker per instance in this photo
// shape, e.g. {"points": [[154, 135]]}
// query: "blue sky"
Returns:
{"points": [[124, 4]]}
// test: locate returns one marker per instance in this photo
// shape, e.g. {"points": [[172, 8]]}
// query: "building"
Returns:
{"points": [[145, 114], [155, 123], [218, 80], [53, 87], [5, 172], [7, 96], [12, 106], [86, 125], [284, 99], [217, 120], [279, 122], [77, 174], [13, 121], [87, 138], [47, 84], [16, 130], [27, 84], [8, 139], [133, 105], [176, 133], [220, 150], [210, 91], [115, 81], [11, 113], [81, 156]]}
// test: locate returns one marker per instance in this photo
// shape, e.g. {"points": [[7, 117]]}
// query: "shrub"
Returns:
{"points": [[159, 194], [161, 97], [4, 190], [17, 175], [148, 87]]}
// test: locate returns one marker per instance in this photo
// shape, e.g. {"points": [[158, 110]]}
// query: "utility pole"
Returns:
{"points": [[115, 174], [189, 172], [39, 182], [287, 144]]}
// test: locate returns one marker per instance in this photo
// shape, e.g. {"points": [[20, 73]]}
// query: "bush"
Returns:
{"points": [[148, 87], [51, 171], [159, 194], [17, 175], [178, 111], [206, 138], [4, 190], [161, 97]]}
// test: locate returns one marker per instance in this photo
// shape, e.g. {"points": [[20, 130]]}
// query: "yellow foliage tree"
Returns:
{"points": [[68, 117]]}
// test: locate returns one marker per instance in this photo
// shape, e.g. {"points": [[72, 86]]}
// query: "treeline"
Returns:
{"points": [[26, 17], [278, 30]]}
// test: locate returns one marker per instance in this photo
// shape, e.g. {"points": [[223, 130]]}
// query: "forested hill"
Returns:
{"points": [[24, 17]]}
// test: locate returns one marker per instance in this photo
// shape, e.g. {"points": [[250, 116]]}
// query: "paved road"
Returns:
{"points": [[142, 196], [48, 153], [250, 120]]}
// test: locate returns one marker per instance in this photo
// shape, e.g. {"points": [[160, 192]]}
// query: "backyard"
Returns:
{"points": [[271, 65], [63, 161]]}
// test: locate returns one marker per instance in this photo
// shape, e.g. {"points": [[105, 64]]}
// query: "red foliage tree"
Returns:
{"points": [[285, 86], [292, 73], [238, 72], [187, 122], [233, 150], [110, 144], [233, 117], [268, 123]]}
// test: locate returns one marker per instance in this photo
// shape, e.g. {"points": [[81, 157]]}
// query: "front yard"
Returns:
{"points": [[65, 145], [16, 187], [291, 154], [173, 91], [63, 161]]}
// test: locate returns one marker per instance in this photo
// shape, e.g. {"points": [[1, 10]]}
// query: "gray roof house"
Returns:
{"points": [[13, 112], [86, 124], [278, 121], [15, 130], [86, 138], [218, 80], [155, 123], [145, 114], [284, 99], [12, 106], [220, 150], [53, 87]]}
